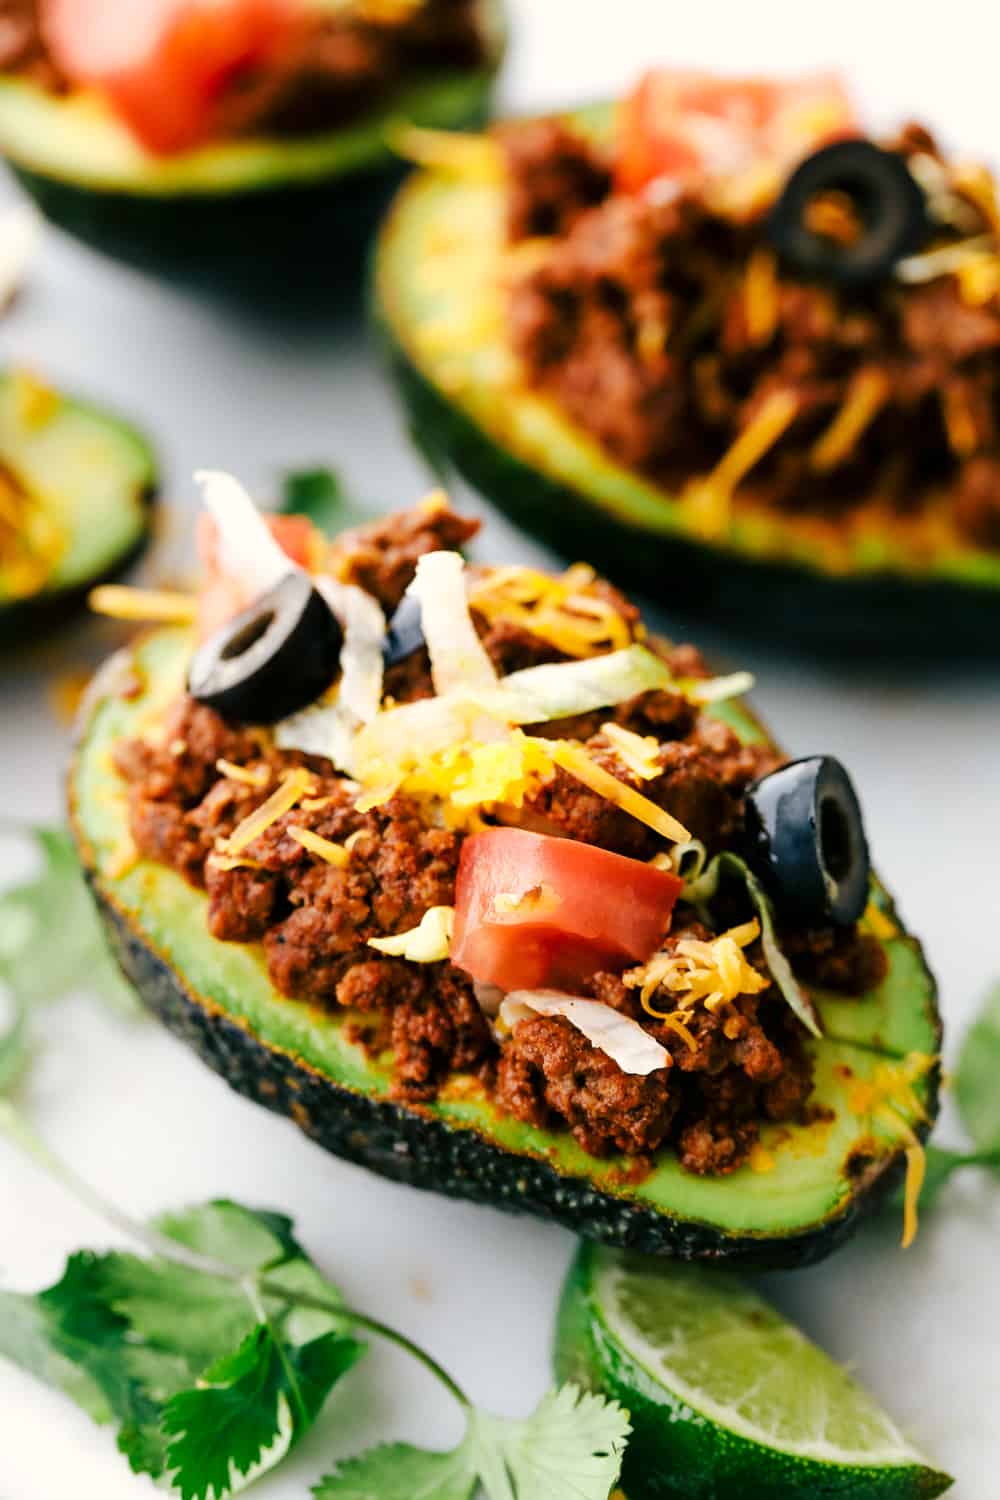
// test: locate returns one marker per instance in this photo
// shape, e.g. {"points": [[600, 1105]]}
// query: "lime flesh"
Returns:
{"points": [[727, 1399]]}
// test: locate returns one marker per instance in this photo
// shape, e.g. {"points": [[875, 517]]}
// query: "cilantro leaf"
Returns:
{"points": [[320, 495], [33, 968], [178, 1358], [570, 1448], [397, 1471], [975, 1083]]}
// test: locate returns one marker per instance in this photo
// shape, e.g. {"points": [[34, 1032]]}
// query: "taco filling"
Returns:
{"points": [[183, 73], [740, 294], [516, 837]]}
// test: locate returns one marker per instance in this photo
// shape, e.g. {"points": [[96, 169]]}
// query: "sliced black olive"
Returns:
{"points": [[275, 657], [807, 840], [882, 192], [405, 633]]}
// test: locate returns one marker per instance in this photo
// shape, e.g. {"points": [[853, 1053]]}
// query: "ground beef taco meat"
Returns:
{"points": [[661, 317], [342, 868]]}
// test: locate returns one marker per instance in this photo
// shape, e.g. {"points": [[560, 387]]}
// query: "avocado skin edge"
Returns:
{"points": [[410, 1146], [866, 616]]}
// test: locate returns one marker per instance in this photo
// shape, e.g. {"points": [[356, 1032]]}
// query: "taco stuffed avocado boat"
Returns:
{"points": [[77, 488], [189, 134], [527, 908], [726, 343]]}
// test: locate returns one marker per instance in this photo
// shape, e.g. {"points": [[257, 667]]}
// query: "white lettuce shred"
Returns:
{"points": [[621, 1038], [458, 657], [427, 943], [331, 729], [247, 549]]}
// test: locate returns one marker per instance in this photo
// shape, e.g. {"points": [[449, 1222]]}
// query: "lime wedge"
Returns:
{"points": [[728, 1401]]}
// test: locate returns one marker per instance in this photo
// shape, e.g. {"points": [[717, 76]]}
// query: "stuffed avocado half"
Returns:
{"points": [[791, 428], [77, 487], [383, 910], [272, 141]]}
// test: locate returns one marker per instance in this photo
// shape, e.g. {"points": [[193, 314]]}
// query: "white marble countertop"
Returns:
{"points": [[134, 1111]]}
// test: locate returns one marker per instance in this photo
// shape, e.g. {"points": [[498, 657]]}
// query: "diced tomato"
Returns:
{"points": [[164, 64], [685, 126], [581, 910], [221, 595]]}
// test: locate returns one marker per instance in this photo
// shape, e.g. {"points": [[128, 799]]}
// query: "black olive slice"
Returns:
{"points": [[883, 194], [274, 657], [405, 634], [807, 840]]}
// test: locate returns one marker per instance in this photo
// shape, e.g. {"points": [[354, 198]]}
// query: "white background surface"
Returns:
{"points": [[139, 1116]]}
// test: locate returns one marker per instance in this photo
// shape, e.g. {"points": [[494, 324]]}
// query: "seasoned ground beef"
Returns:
{"points": [[193, 778], [334, 67], [643, 322]]}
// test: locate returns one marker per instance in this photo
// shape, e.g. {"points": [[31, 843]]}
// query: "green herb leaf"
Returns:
{"points": [[198, 1382], [978, 1070], [320, 495], [35, 968], [570, 1448]]}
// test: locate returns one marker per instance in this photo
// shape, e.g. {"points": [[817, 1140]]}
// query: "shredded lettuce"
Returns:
{"points": [[621, 1038]]}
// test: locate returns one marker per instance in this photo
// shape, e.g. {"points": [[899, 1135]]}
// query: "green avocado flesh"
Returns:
{"points": [[91, 475], [438, 303], [810, 1184], [77, 139]]}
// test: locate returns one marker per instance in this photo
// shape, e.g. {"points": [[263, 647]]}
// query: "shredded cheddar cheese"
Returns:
{"points": [[708, 500], [889, 1099], [557, 610], [573, 758], [35, 403], [760, 296], [160, 605], [639, 753], [711, 972], [227, 862], [878, 924], [295, 785], [866, 395], [258, 777], [325, 849]]}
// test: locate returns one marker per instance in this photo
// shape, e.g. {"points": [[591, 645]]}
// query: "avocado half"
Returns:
{"points": [[234, 207], [97, 479], [875, 586], [804, 1194]]}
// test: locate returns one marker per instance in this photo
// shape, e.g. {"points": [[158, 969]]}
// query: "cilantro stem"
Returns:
{"points": [[21, 1134], [373, 1325]]}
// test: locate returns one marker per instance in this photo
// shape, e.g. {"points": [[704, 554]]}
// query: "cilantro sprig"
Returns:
{"points": [[34, 968], [214, 1351]]}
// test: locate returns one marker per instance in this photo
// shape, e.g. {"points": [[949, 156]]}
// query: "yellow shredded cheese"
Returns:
{"points": [[160, 605], [573, 758], [960, 424], [427, 943], [878, 924], [639, 753], [760, 296], [455, 151], [555, 609], [325, 849], [35, 403], [708, 500], [711, 972], [434, 503], [281, 801], [258, 776], [889, 1098], [866, 395], [232, 862]]}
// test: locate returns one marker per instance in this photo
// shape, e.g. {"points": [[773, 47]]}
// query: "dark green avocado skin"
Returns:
{"points": [[238, 240], [876, 615], [414, 1148]]}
